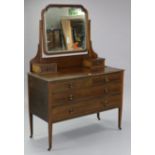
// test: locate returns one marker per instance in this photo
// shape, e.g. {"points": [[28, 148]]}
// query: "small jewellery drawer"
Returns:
{"points": [[69, 111], [80, 94], [103, 79]]}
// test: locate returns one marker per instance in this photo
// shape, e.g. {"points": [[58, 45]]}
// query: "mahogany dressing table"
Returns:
{"points": [[67, 79]]}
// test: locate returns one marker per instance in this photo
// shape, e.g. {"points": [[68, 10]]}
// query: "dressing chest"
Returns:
{"points": [[74, 84]]}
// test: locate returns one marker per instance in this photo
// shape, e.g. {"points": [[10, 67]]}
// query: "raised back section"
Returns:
{"points": [[39, 64]]}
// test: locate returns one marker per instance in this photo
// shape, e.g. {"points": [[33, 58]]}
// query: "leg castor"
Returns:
{"points": [[49, 149], [98, 116], [119, 118], [31, 125], [49, 136]]}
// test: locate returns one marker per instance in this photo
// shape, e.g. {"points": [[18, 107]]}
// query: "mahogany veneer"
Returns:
{"points": [[66, 87], [62, 96]]}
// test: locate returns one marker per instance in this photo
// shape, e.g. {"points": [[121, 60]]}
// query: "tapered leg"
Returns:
{"points": [[120, 118], [98, 116], [31, 125], [49, 136]]}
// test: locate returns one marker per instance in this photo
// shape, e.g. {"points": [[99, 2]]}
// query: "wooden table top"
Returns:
{"points": [[73, 74]]}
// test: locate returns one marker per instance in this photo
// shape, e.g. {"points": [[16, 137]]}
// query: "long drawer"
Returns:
{"points": [[84, 107], [76, 95], [68, 85]]}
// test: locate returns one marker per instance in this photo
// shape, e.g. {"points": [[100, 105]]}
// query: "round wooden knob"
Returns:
{"points": [[106, 79], [106, 90], [70, 97], [70, 85], [70, 110], [106, 102]]}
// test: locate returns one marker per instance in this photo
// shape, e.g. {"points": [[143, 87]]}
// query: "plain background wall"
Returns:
{"points": [[110, 32]]}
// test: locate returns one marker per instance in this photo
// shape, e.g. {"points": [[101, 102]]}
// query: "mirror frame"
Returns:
{"points": [[44, 35]]}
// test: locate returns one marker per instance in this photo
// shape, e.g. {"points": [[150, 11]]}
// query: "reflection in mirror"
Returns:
{"points": [[65, 30]]}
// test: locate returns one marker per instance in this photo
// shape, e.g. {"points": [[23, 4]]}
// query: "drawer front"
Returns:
{"points": [[105, 79], [84, 107], [71, 111], [112, 101], [81, 94], [69, 85]]}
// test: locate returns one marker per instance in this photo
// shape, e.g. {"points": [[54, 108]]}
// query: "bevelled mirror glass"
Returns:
{"points": [[65, 29]]}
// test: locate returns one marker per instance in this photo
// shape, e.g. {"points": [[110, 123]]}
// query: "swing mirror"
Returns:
{"points": [[64, 29]]}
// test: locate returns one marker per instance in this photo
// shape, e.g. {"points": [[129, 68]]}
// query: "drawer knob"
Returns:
{"points": [[106, 101], [106, 79], [70, 97], [70, 85], [70, 110], [106, 90]]}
